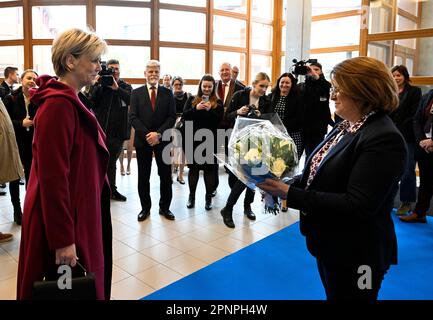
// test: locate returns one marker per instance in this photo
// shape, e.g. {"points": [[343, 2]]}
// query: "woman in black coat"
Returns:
{"points": [[241, 105], [347, 188], [409, 98], [286, 102], [203, 111], [22, 112]]}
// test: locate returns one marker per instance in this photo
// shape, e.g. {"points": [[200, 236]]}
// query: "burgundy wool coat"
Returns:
{"points": [[66, 195]]}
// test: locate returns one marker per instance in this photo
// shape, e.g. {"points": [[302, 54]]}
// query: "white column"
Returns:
{"points": [[298, 30]]}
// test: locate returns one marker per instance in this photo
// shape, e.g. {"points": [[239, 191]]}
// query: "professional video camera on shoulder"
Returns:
{"points": [[300, 68], [106, 75]]}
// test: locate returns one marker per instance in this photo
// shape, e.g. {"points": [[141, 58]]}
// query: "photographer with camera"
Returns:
{"points": [[111, 96], [315, 98], [252, 103]]}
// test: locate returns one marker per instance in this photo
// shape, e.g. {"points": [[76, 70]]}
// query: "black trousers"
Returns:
{"points": [[14, 186], [226, 151], [144, 161], [342, 283], [425, 191], [114, 146], [237, 188], [208, 175]]}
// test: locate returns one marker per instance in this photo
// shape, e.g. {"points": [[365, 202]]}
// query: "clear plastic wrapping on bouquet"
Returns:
{"points": [[260, 149]]}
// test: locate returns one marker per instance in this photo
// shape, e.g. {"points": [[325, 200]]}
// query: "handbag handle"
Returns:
{"points": [[84, 269]]}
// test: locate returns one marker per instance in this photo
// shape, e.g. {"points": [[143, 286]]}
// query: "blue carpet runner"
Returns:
{"points": [[279, 267]]}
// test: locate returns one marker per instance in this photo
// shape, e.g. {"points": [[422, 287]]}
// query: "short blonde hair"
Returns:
{"points": [[368, 81], [77, 43], [261, 76]]}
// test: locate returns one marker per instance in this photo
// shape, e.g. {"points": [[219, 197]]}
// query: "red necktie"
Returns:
{"points": [[221, 91], [153, 98]]}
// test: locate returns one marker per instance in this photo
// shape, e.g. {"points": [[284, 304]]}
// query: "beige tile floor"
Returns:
{"points": [[155, 253]]}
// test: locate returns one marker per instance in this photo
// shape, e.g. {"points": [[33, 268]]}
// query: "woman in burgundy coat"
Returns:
{"points": [[66, 214]]}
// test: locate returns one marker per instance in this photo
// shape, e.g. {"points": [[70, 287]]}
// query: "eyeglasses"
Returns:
{"points": [[334, 91]]}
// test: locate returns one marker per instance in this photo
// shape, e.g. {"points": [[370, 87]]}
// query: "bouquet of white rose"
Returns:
{"points": [[260, 149]]}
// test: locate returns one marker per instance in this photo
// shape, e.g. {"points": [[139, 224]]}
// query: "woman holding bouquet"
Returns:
{"points": [[203, 111], [346, 191], [248, 102]]}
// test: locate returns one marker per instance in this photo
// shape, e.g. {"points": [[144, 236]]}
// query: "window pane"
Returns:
{"points": [[347, 29], [404, 24], [130, 23], [48, 21], [189, 26], [42, 60], [132, 59], [426, 15], [229, 31], [233, 5], [194, 3], [283, 38], [260, 63], [261, 36], [171, 64], [191, 88], [262, 9], [323, 7], [234, 58], [329, 60], [11, 56], [410, 6], [11, 23], [381, 50], [284, 10], [380, 19], [283, 65]]}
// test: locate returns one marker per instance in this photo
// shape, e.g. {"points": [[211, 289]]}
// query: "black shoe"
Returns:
{"points": [[213, 194], [208, 205], [2, 193], [227, 217], [3, 185], [22, 183], [167, 214], [115, 195], [249, 213], [143, 215], [191, 202], [18, 217]]}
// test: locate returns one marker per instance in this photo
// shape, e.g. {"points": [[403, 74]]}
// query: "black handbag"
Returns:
{"points": [[81, 288]]}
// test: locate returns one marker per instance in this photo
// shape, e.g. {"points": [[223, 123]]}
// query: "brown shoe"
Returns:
{"points": [[413, 217], [5, 237]]}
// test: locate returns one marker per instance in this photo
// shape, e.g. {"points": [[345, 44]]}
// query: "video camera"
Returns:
{"points": [[107, 79], [300, 68]]}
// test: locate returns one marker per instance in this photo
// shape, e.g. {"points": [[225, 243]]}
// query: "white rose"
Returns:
{"points": [[253, 155], [278, 167]]}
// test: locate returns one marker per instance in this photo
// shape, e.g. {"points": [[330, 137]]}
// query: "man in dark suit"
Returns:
{"points": [[152, 112], [226, 88], [11, 77]]}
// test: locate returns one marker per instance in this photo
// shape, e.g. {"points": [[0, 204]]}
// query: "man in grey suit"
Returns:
{"points": [[152, 112]]}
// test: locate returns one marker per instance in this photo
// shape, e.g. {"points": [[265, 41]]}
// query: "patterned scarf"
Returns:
{"points": [[344, 128]]}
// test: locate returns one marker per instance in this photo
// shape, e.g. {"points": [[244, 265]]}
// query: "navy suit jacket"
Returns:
{"points": [[145, 120], [346, 211]]}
